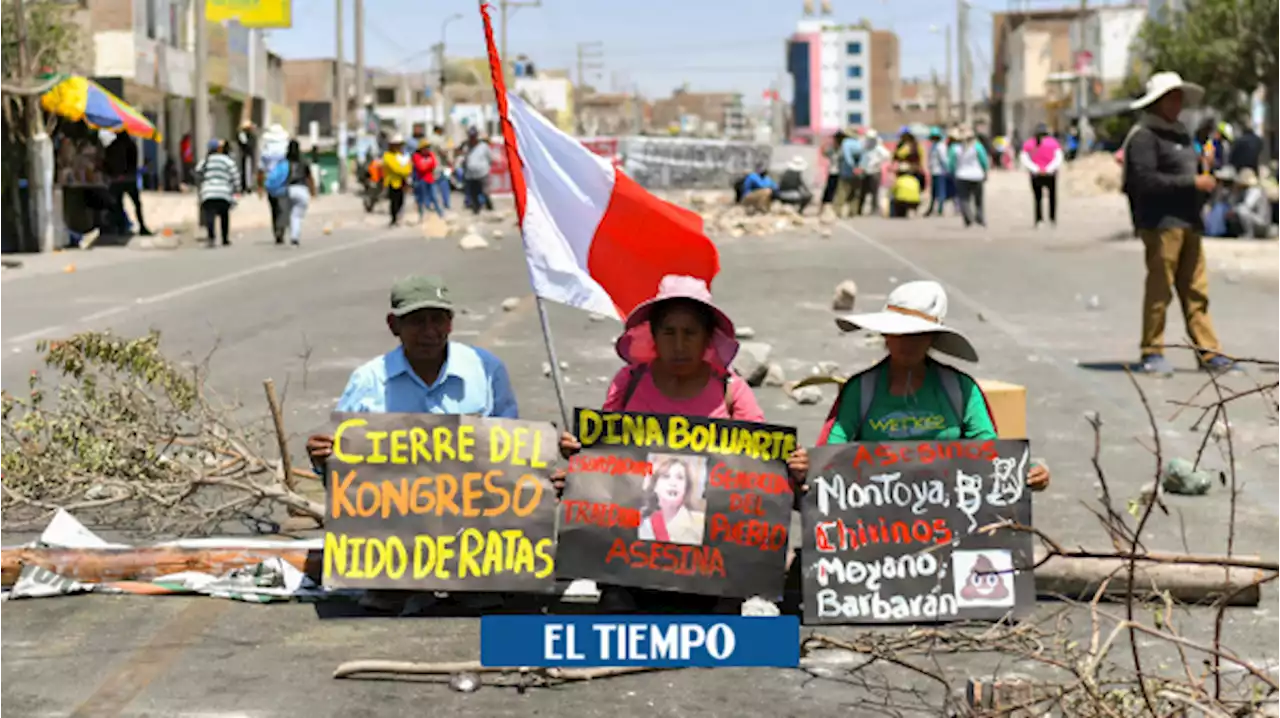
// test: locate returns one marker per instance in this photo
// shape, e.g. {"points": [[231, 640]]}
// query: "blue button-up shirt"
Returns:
{"points": [[472, 381]]}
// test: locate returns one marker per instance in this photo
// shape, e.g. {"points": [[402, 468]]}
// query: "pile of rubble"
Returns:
{"points": [[720, 216], [1091, 175]]}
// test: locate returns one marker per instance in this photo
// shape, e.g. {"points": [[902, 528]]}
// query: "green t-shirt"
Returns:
{"points": [[927, 414]]}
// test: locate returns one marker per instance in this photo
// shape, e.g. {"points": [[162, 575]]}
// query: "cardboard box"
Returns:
{"points": [[1008, 407]]}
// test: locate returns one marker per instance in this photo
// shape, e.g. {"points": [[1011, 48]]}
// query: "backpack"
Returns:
{"points": [[633, 382], [277, 182], [869, 380]]}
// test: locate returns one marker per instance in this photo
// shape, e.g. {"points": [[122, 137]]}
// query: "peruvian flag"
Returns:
{"points": [[594, 238]]}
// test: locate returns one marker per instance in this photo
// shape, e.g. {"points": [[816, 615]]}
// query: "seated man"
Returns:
{"points": [[758, 190], [792, 188], [426, 373], [1249, 215]]}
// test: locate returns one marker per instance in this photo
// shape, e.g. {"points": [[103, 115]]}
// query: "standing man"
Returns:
{"points": [[396, 171], [477, 161], [848, 186], [427, 374], [275, 144], [121, 163], [247, 142], [1162, 180]]}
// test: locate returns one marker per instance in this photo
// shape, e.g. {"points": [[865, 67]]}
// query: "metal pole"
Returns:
{"points": [[950, 80], [361, 116], [556, 377], [340, 102], [39, 149], [962, 10]]}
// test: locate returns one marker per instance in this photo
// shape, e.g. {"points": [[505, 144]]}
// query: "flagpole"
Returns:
{"points": [[517, 192], [556, 377]]}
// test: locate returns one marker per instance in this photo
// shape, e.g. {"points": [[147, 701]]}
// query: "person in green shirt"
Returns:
{"points": [[909, 395]]}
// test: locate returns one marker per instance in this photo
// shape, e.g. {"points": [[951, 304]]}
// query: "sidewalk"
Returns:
{"points": [[179, 211]]}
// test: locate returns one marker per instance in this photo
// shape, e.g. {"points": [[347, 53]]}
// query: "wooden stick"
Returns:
{"points": [[352, 668], [281, 438]]}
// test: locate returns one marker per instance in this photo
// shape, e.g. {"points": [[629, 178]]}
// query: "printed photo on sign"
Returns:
{"points": [[435, 502], [677, 503], [674, 509], [983, 578], [891, 532]]}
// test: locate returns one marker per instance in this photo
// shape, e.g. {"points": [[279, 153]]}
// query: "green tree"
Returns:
{"points": [[1227, 46]]}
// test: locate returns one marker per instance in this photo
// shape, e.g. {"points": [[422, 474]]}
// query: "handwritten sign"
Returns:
{"points": [[889, 532], [435, 502], [677, 503]]}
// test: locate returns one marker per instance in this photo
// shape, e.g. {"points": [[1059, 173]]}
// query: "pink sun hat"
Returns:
{"points": [[636, 345]]}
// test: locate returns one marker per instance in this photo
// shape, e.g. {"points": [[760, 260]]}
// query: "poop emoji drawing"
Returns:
{"points": [[984, 583]]}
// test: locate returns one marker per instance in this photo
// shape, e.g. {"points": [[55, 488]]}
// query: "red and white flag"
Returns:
{"points": [[594, 238]]}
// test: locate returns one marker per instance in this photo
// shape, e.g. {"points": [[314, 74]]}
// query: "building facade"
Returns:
{"points": [[1033, 72], [842, 75]]}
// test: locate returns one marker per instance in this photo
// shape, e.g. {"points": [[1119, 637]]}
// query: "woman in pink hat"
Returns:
{"points": [[678, 348]]}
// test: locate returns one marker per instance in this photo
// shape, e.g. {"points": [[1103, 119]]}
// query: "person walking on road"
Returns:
{"points": [[120, 160], [301, 188], [832, 155], [396, 172], [874, 157], [941, 183], [968, 162], [477, 161], [849, 183], [1042, 156], [424, 180], [247, 140], [275, 148], [219, 179], [1162, 179]]}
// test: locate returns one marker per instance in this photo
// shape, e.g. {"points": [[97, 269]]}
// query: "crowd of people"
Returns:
{"points": [[432, 169]]}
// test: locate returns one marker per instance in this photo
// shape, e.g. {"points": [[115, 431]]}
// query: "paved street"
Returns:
{"points": [[306, 317]]}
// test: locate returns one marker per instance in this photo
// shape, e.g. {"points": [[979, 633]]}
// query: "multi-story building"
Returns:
{"points": [[842, 75], [1102, 44], [1032, 69]]}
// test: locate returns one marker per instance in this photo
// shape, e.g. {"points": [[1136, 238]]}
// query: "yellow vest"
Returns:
{"points": [[906, 188], [395, 169]]}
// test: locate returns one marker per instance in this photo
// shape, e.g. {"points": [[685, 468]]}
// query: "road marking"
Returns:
{"points": [[201, 286], [148, 662], [1015, 333]]}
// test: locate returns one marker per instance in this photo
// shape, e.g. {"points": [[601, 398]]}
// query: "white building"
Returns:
{"points": [[1107, 35], [831, 69]]}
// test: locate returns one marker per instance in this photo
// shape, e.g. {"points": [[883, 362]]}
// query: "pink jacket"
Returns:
{"points": [[1043, 153]]}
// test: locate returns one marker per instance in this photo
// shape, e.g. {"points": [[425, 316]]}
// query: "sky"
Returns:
{"points": [[655, 45]]}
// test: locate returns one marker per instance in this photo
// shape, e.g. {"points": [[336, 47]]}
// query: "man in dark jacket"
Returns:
{"points": [[1246, 151], [121, 163], [1162, 181]]}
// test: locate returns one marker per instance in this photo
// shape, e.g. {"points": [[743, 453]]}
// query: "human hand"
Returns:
{"points": [[557, 480], [1206, 183], [569, 445], [319, 447], [1038, 477], [798, 467]]}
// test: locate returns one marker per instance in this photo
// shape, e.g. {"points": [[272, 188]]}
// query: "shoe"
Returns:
{"points": [[146, 233], [295, 242], [1156, 365], [1217, 364]]}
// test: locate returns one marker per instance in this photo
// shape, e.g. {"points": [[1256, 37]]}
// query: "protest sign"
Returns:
{"points": [[889, 532], [440, 502], [677, 503]]}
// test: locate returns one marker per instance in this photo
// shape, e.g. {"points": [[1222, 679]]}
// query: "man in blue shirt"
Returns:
{"points": [[427, 373], [758, 190]]}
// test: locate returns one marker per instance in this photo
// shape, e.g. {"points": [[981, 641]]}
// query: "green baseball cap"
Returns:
{"points": [[413, 293]]}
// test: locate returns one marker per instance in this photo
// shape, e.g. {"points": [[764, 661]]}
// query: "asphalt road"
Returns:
{"points": [[307, 317]]}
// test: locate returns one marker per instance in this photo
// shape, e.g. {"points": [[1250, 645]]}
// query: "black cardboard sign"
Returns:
{"points": [[888, 532], [440, 502], [677, 503]]}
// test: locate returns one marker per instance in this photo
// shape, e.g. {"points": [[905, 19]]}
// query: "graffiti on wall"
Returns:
{"points": [[686, 163]]}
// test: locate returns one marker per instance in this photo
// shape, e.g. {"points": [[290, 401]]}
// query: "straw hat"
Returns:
{"points": [[915, 308], [1162, 83], [1247, 177]]}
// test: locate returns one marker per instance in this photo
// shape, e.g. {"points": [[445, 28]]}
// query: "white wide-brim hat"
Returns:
{"points": [[798, 164], [1162, 83], [915, 308]]}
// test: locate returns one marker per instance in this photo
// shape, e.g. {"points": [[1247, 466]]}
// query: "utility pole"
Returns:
{"points": [[200, 123], [504, 6], [361, 117], [962, 39], [442, 118], [637, 109], [589, 54], [340, 102], [950, 82], [1085, 132], [39, 148]]}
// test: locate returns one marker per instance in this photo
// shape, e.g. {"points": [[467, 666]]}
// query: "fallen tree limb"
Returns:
{"points": [[355, 668], [147, 563], [1192, 582]]}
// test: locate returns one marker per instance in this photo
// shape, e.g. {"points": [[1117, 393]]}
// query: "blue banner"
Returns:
{"points": [[659, 641]]}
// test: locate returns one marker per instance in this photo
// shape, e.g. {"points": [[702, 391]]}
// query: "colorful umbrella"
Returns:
{"points": [[78, 98]]}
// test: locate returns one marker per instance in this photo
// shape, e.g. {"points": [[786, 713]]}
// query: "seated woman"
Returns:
{"points": [[910, 395], [678, 348]]}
